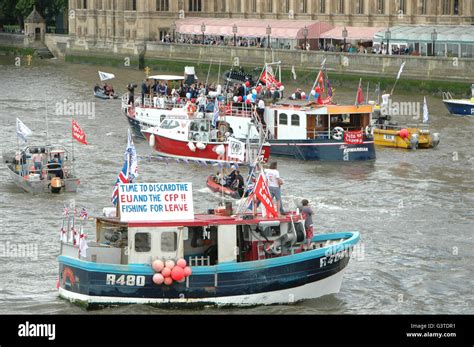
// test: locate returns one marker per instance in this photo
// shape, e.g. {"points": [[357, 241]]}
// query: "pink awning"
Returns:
{"points": [[353, 33], [281, 29]]}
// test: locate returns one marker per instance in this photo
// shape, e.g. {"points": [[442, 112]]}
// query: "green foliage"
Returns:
{"points": [[15, 11]]}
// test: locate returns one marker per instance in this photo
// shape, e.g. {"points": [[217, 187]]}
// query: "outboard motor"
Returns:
{"points": [[414, 141], [56, 185], [435, 139]]}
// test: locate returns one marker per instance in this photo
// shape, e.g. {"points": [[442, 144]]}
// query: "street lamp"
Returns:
{"points": [[269, 32], [203, 30], [305, 33], [235, 30], [344, 35], [388, 37], [434, 37], [173, 30]]}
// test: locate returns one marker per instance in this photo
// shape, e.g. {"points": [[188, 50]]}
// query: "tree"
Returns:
{"points": [[12, 11]]}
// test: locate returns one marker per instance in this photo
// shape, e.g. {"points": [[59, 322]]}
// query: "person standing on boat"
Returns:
{"points": [[261, 111], [239, 183], [307, 214], [38, 163], [131, 93], [274, 184], [144, 90], [24, 166]]}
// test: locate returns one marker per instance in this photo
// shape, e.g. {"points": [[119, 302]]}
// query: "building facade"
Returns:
{"points": [[149, 20]]}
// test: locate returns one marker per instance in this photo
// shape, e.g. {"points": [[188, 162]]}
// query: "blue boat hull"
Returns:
{"points": [[135, 126], [459, 108], [323, 150], [90, 282]]}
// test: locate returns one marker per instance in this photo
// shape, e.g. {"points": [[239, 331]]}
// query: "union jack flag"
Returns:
{"points": [[83, 213], [122, 179]]}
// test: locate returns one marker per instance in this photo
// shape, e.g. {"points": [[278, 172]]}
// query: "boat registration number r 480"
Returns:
{"points": [[125, 280]]}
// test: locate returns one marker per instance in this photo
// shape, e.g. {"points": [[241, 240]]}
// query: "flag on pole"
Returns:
{"points": [[401, 70], [131, 152], [104, 76], [426, 114], [78, 133], [129, 170], [215, 117], [262, 192], [268, 77], [22, 131], [293, 72], [329, 88], [360, 94], [122, 179]]}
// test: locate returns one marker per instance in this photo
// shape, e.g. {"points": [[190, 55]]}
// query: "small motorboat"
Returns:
{"points": [[212, 184], [459, 107], [388, 133], [55, 174], [102, 94]]}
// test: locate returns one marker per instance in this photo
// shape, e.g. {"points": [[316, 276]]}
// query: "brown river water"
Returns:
{"points": [[415, 210]]}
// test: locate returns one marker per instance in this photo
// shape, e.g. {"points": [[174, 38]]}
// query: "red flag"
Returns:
{"points": [[321, 83], [360, 96], [263, 194], [268, 78], [78, 133]]}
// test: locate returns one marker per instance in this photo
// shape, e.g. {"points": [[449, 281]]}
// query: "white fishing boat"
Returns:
{"points": [[53, 174]]}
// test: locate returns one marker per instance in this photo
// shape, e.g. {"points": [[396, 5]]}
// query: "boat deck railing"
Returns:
{"points": [[199, 261], [447, 96]]}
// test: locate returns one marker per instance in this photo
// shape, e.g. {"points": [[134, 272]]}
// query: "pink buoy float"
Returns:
{"points": [[181, 263], [169, 264], [177, 273], [166, 272], [158, 279], [157, 265]]}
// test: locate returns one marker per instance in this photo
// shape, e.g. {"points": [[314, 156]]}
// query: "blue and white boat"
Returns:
{"points": [[241, 260], [459, 107]]}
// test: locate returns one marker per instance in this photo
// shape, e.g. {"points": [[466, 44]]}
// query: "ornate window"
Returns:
{"points": [[163, 5]]}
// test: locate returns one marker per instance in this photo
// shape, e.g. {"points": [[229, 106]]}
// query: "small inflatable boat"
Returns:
{"points": [[217, 188], [99, 93]]}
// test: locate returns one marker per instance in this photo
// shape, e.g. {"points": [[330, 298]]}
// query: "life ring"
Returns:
{"points": [[369, 130], [338, 133]]}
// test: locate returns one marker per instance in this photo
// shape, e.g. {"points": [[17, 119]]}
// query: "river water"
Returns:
{"points": [[415, 210]]}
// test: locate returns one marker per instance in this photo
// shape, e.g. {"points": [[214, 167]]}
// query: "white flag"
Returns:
{"points": [[426, 114], [104, 76], [236, 149], [293, 72], [401, 70], [83, 245], [22, 131]]}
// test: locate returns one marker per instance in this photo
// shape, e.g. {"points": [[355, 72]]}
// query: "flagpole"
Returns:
{"points": [[368, 85]]}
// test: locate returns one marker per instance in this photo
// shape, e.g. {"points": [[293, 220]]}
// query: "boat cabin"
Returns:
{"points": [[314, 121], [205, 241]]}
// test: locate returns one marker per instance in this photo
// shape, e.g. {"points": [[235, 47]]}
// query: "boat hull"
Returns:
{"points": [[391, 138], [169, 147], [325, 150], [460, 108], [282, 280], [135, 126], [70, 185], [217, 188]]}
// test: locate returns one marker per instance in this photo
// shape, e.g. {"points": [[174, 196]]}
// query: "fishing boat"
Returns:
{"points": [[236, 138], [213, 184], [312, 131], [459, 107], [56, 174], [388, 133], [219, 258]]}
